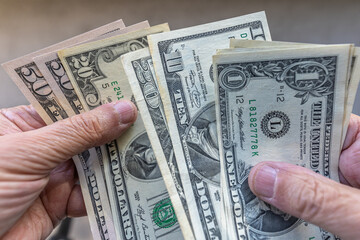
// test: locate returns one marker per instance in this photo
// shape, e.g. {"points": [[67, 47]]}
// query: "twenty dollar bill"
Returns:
{"points": [[138, 196]]}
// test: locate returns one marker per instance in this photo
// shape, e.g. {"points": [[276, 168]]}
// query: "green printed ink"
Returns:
{"points": [[164, 214]]}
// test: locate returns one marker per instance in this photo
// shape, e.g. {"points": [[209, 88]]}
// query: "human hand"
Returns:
{"points": [[37, 180], [312, 197]]}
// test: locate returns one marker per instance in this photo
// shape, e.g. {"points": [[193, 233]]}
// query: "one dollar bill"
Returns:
{"points": [[277, 105]]}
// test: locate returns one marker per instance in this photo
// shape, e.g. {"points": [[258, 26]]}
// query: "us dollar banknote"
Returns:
{"points": [[183, 65], [51, 68], [53, 71], [277, 105], [26, 75], [353, 72], [139, 69], [35, 88], [140, 202]]}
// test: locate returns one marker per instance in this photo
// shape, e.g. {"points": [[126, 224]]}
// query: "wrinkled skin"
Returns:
{"points": [[312, 197], [38, 180]]}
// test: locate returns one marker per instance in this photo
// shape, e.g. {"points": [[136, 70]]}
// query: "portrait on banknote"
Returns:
{"points": [[263, 217], [140, 159], [203, 145]]}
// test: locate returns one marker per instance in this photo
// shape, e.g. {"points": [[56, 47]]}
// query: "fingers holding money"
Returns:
{"points": [[349, 163], [43, 149], [19, 119], [309, 196], [35, 163], [62, 188]]}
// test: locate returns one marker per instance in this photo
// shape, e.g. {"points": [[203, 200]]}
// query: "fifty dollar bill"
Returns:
{"points": [[33, 85]]}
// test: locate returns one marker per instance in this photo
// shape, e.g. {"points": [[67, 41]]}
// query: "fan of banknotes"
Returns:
{"points": [[217, 98]]}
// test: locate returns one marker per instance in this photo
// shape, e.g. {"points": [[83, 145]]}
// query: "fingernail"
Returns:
{"points": [[264, 183], [126, 111]]}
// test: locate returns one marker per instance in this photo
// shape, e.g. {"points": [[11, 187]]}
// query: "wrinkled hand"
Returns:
{"points": [[37, 180], [312, 197]]}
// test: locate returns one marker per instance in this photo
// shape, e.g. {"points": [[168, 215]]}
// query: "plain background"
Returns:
{"points": [[26, 26]]}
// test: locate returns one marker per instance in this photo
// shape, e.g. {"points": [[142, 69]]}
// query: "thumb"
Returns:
{"points": [[309, 196], [43, 149]]}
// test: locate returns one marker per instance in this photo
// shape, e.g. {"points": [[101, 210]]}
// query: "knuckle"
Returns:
{"points": [[14, 114], [310, 199], [88, 127]]}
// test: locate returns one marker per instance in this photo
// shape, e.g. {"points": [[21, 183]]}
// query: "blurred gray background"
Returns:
{"points": [[26, 26]]}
